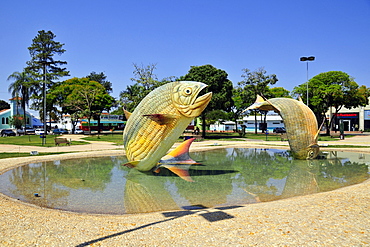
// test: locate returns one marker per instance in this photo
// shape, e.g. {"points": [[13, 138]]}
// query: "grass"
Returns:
{"points": [[34, 140], [115, 138], [15, 155]]}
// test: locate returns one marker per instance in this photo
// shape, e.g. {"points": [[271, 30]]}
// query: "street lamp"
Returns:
{"points": [[307, 59]]}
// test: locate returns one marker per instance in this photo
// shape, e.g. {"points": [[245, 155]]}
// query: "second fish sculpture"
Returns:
{"points": [[300, 124], [158, 121]]}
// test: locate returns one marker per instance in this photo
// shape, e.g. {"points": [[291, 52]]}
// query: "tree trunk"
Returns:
{"points": [[204, 127]]}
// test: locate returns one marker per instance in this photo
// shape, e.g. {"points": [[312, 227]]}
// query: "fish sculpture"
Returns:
{"points": [[300, 124], [158, 121]]}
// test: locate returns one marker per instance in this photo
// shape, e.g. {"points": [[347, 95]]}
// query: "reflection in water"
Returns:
{"points": [[227, 177]]}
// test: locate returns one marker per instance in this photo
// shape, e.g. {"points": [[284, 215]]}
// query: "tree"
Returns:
{"points": [[43, 66], [83, 96], [332, 89], [102, 79], [16, 121], [21, 88], [4, 105], [145, 82], [279, 92], [257, 82], [218, 84], [242, 99]]}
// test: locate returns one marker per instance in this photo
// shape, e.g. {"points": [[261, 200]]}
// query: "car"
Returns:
{"points": [[39, 131], [27, 131], [79, 131], [30, 131], [279, 130], [60, 131], [20, 132], [7, 132]]}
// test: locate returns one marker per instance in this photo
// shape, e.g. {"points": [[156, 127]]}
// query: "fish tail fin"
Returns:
{"points": [[131, 164], [182, 149], [127, 113], [300, 99], [179, 171], [257, 103], [318, 131], [259, 99], [178, 161]]}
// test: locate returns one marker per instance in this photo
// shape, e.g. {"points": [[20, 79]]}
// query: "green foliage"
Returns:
{"points": [[279, 92], [16, 121], [22, 87], [257, 82], [218, 84], [102, 79], [4, 105], [332, 89], [81, 97], [216, 115], [43, 67], [42, 50], [145, 82]]}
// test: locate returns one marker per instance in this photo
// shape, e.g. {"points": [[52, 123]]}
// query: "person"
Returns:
{"points": [[196, 132]]}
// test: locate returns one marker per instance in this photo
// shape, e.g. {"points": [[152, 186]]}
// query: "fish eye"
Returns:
{"points": [[311, 153], [188, 91]]}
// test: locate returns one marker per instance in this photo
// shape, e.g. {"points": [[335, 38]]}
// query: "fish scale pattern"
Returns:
{"points": [[299, 120], [144, 133], [146, 138]]}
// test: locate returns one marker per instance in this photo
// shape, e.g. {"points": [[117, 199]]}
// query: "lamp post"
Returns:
{"points": [[307, 59], [44, 63]]}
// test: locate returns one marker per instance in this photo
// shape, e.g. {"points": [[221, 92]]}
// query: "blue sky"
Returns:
{"points": [[109, 36]]}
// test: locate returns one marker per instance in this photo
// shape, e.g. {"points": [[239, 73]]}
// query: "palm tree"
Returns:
{"points": [[21, 88]]}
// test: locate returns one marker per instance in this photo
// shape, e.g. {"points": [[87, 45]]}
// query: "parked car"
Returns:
{"points": [[39, 131], [60, 131], [7, 132], [79, 131], [279, 130], [20, 132], [27, 131]]}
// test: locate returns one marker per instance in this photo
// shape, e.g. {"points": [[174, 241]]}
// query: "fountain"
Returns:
{"points": [[227, 177]]}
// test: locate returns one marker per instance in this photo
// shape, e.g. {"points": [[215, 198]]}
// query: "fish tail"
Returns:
{"points": [[257, 103], [182, 173], [182, 149]]}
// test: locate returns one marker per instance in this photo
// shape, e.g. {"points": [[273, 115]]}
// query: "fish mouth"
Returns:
{"points": [[201, 101], [197, 107]]}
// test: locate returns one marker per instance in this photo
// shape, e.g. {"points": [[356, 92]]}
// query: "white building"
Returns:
{"points": [[273, 120]]}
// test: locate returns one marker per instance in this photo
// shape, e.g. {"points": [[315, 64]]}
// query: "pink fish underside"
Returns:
{"points": [[177, 161]]}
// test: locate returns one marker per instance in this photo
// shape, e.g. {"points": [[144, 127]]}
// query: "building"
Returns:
{"points": [[15, 109], [273, 121], [355, 119]]}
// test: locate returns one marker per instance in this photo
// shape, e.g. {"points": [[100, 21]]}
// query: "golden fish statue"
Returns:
{"points": [[158, 121], [300, 124]]}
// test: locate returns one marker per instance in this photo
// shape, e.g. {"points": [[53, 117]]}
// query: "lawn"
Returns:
{"points": [[33, 140], [15, 155]]}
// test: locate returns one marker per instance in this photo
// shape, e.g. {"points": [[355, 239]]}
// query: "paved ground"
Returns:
{"points": [[336, 218]]}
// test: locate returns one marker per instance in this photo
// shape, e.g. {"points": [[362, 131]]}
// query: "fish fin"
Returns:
{"points": [[318, 131], [127, 114], [259, 99], [262, 104], [131, 164], [161, 118], [182, 149], [181, 172]]}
